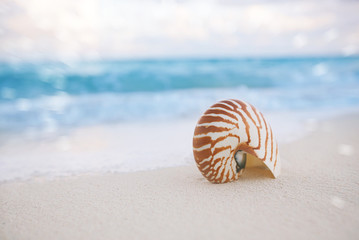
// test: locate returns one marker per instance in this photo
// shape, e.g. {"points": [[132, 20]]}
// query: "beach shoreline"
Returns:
{"points": [[315, 197], [128, 146]]}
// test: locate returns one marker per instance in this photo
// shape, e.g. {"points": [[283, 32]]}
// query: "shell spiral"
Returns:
{"points": [[224, 129]]}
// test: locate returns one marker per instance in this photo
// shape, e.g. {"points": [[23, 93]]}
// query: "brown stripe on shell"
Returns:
{"points": [[210, 119], [221, 111], [229, 102], [266, 144], [258, 127], [199, 142], [208, 129], [221, 105]]}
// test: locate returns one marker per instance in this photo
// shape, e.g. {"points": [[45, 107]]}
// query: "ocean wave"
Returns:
{"points": [[63, 110], [49, 96], [46, 79]]}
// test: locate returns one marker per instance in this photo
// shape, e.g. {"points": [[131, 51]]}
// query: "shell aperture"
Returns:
{"points": [[241, 159]]}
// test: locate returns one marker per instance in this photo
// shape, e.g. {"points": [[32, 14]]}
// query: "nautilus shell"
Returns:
{"points": [[229, 135]]}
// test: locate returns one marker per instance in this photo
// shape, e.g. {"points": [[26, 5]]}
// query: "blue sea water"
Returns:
{"points": [[51, 95]]}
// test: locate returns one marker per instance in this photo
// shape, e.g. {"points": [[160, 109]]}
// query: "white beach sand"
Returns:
{"points": [[315, 197]]}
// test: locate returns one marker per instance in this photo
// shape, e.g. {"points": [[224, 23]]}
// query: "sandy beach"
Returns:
{"points": [[315, 197], [110, 111]]}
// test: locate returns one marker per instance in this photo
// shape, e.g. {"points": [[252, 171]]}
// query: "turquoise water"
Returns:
{"points": [[57, 94]]}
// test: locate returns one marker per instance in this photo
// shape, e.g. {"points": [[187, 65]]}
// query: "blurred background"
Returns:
{"points": [[69, 64]]}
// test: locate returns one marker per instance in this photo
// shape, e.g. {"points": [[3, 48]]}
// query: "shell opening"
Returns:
{"points": [[241, 159]]}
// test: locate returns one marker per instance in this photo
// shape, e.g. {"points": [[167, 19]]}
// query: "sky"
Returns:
{"points": [[122, 29]]}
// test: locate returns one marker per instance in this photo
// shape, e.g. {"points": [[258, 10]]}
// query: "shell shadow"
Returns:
{"points": [[252, 174]]}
